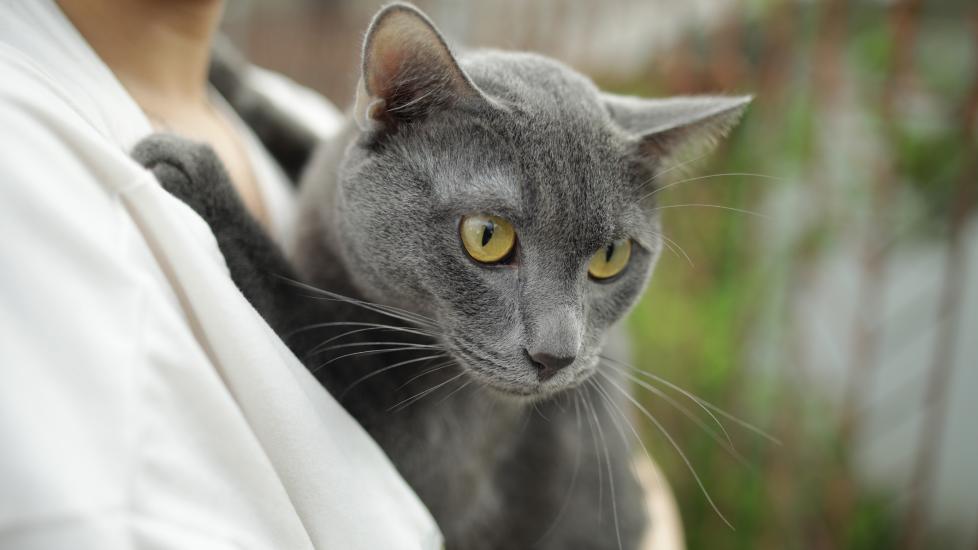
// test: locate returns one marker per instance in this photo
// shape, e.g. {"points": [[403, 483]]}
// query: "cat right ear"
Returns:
{"points": [[667, 127], [408, 70]]}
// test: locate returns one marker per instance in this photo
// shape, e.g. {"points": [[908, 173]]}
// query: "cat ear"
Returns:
{"points": [[664, 127], [408, 70]]}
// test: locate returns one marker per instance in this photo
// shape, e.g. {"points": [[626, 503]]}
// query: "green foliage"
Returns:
{"points": [[696, 324]]}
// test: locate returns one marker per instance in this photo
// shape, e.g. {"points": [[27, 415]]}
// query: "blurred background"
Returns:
{"points": [[835, 307]]}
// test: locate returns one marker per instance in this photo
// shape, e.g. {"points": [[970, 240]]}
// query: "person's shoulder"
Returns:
{"points": [[29, 92], [47, 129]]}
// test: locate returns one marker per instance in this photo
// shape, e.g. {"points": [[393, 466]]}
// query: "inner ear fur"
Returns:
{"points": [[408, 69]]}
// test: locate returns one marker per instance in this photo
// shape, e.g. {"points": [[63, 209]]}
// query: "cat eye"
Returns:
{"points": [[610, 259], [487, 239]]}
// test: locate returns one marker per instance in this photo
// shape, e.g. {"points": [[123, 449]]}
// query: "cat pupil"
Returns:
{"points": [[487, 233], [609, 252]]}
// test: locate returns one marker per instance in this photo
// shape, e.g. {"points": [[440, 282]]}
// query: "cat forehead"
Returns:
{"points": [[536, 165], [595, 206], [533, 84], [545, 152], [493, 188]]}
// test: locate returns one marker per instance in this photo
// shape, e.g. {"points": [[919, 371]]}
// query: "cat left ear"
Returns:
{"points": [[408, 70], [666, 126]]}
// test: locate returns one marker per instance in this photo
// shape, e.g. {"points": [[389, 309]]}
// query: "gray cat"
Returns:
{"points": [[474, 234]]}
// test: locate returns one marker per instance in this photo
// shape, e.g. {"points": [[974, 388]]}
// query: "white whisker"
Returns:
{"points": [[359, 353], [319, 349], [417, 397], [725, 441], [707, 205], [385, 369], [673, 245], [453, 392], [711, 176], [611, 476], [378, 326], [700, 401], [390, 311], [631, 426], [662, 429], [682, 164], [597, 455], [435, 368], [573, 483]]}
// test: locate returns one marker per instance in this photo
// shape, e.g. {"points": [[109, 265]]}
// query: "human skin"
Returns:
{"points": [[160, 51]]}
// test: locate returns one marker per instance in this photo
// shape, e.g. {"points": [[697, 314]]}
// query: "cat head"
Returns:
{"points": [[501, 194]]}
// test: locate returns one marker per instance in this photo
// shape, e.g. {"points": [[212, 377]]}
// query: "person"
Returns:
{"points": [[143, 402]]}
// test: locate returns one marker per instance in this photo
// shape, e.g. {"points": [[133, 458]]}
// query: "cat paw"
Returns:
{"points": [[190, 171]]}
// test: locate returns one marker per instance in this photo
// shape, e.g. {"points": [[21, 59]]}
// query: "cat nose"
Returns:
{"points": [[555, 340], [548, 364]]}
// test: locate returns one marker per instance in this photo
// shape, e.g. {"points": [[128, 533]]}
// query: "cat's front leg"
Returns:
{"points": [[193, 173]]}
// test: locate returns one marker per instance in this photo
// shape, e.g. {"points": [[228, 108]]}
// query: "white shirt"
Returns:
{"points": [[143, 402]]}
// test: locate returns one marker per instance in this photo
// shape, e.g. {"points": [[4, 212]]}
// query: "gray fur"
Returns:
{"points": [[524, 137], [503, 456]]}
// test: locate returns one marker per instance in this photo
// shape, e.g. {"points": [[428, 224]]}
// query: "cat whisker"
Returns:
{"points": [[682, 164], [725, 441], [350, 333], [365, 303], [611, 476], [453, 392], [527, 415], [659, 393], [540, 413], [574, 472], [597, 453], [673, 245], [711, 176], [708, 205], [428, 371], [405, 403], [631, 426], [412, 345], [320, 366], [368, 376], [607, 401], [376, 308], [378, 326], [662, 429], [560, 401], [391, 311], [693, 397]]}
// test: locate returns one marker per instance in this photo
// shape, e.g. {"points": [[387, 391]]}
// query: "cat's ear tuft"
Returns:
{"points": [[408, 70], [666, 127]]}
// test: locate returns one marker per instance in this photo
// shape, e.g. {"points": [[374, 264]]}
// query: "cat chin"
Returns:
{"points": [[508, 394], [507, 390], [526, 395], [522, 387]]}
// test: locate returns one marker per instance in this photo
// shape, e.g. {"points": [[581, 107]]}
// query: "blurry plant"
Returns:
{"points": [[863, 135], [695, 325]]}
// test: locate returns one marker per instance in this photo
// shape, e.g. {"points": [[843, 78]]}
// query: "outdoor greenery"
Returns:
{"points": [[720, 323], [862, 144]]}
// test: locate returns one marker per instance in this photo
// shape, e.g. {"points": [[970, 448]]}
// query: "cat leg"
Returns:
{"points": [[193, 173]]}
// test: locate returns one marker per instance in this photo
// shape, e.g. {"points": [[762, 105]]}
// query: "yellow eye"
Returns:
{"points": [[488, 239], [610, 259]]}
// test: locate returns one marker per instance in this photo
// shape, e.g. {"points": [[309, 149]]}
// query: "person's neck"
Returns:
{"points": [[158, 49]]}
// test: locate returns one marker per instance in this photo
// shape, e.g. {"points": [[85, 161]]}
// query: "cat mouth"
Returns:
{"points": [[485, 370]]}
